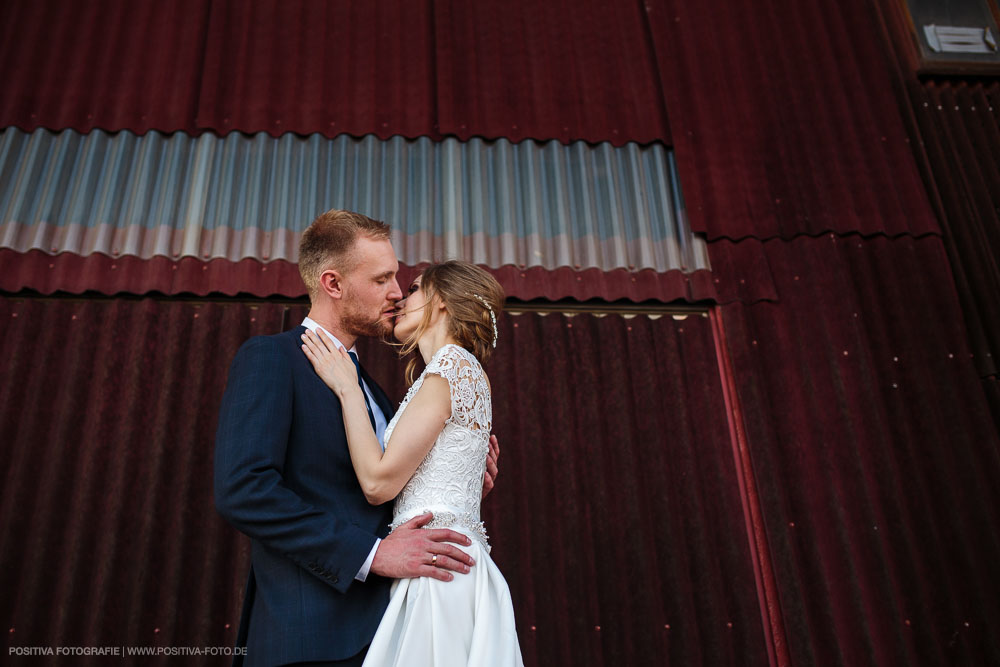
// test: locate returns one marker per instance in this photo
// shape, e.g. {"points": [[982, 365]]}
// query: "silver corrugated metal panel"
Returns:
{"points": [[491, 202]]}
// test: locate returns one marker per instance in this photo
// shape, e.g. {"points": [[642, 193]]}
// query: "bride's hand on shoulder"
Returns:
{"points": [[333, 365]]}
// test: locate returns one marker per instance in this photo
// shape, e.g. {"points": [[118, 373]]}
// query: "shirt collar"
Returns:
{"points": [[312, 325]]}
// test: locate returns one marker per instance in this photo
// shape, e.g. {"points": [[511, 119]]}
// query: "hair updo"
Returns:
{"points": [[468, 293]]}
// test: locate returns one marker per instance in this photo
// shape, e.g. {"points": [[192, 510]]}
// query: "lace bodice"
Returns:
{"points": [[449, 481]]}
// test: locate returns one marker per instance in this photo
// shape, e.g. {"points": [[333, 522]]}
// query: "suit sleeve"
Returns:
{"points": [[250, 492]]}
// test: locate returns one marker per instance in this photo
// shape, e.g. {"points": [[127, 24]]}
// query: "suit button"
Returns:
{"points": [[335, 580]]}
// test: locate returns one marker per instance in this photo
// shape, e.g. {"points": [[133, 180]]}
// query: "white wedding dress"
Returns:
{"points": [[468, 621]]}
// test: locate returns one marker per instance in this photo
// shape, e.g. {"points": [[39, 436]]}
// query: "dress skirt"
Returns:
{"points": [[465, 622]]}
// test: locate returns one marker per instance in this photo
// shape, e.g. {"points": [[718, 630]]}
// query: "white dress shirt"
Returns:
{"points": [[380, 425]]}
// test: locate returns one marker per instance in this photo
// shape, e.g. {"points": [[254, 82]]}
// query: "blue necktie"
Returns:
{"points": [[357, 367]]}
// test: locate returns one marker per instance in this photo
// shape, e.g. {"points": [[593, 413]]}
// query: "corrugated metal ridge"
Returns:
{"points": [[235, 197]]}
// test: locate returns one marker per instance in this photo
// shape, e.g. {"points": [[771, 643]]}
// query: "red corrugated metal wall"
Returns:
{"points": [[840, 212]]}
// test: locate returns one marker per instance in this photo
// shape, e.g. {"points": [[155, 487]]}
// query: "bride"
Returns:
{"points": [[434, 460]]}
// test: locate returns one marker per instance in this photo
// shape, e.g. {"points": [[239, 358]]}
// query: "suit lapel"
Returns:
{"points": [[386, 405], [383, 401]]}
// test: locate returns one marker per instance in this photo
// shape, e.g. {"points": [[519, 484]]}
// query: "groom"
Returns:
{"points": [[321, 563]]}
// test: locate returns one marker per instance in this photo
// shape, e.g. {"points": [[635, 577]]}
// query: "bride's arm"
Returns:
{"points": [[382, 474]]}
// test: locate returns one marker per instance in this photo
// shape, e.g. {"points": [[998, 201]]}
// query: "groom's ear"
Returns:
{"points": [[331, 283]]}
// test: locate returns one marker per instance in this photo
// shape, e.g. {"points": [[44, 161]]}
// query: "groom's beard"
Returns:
{"points": [[359, 324]]}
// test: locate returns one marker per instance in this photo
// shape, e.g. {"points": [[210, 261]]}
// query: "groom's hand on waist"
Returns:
{"points": [[410, 550]]}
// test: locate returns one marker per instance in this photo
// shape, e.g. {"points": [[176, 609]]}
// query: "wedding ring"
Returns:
{"points": [[434, 560]]}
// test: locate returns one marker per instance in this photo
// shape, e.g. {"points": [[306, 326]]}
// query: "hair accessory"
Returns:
{"points": [[493, 316]]}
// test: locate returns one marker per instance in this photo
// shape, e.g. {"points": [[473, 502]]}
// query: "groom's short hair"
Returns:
{"points": [[327, 243]]}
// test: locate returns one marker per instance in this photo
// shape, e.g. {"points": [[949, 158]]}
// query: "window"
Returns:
{"points": [[956, 36]]}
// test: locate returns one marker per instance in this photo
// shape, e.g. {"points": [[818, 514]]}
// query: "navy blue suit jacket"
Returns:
{"points": [[283, 476]]}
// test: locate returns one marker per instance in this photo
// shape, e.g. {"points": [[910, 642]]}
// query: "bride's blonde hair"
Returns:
{"points": [[472, 298]]}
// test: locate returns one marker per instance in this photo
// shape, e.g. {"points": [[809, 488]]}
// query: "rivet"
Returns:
{"points": [[227, 626], [532, 627], [845, 353], [156, 630], [597, 627]]}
